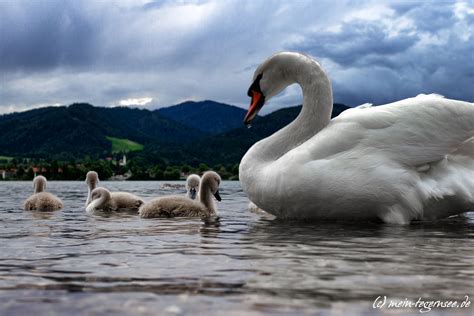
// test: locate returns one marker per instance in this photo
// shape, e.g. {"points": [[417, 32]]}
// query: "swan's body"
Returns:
{"points": [[180, 206], [408, 160], [104, 201], [192, 186], [40, 200]]}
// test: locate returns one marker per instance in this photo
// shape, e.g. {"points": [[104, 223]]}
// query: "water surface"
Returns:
{"points": [[67, 262]]}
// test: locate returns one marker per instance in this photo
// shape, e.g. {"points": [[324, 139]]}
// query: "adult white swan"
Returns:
{"points": [[408, 160]]}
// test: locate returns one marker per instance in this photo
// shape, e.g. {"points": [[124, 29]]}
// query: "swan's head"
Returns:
{"points": [[192, 185], [211, 180], [99, 197], [271, 77], [39, 184], [92, 178], [98, 193]]}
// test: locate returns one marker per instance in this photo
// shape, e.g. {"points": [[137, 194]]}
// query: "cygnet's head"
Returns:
{"points": [[211, 180], [274, 75], [92, 179], [39, 184], [98, 193], [192, 185]]}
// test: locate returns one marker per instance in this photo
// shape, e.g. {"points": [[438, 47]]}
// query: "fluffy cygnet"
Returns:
{"points": [[180, 206], [104, 201], [40, 200]]}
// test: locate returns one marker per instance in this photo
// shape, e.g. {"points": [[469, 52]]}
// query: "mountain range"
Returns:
{"points": [[190, 132], [206, 116]]}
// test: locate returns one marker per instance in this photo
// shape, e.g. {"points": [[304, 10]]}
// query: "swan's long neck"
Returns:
{"points": [[39, 186], [314, 116], [205, 197], [99, 203], [92, 186], [256, 179]]}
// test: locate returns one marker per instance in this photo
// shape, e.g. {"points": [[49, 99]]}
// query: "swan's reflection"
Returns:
{"points": [[270, 228], [42, 214], [210, 229], [357, 260]]}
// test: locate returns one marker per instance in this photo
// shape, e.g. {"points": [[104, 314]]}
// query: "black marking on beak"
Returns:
{"points": [[193, 193], [217, 196], [255, 85], [257, 102]]}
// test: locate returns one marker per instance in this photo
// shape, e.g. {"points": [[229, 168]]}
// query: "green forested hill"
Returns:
{"points": [[81, 130]]}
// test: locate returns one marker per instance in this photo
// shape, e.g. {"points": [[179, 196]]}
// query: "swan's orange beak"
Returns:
{"points": [[256, 104]]}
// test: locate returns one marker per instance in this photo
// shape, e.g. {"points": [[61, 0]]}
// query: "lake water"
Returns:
{"points": [[67, 262]]}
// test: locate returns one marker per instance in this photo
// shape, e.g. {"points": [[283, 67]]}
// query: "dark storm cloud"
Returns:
{"points": [[39, 35], [417, 49], [105, 52], [403, 7], [358, 43], [431, 18]]}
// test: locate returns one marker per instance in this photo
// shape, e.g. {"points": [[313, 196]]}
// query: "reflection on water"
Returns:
{"points": [[69, 263]]}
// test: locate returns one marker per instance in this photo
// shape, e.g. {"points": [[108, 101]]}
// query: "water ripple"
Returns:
{"points": [[69, 263]]}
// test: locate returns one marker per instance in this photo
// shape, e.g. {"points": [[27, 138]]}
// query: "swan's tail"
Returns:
{"points": [[449, 185], [444, 188]]}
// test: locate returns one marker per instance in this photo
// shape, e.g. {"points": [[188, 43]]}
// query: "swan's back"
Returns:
{"points": [[174, 206], [125, 201], [414, 131], [411, 132], [43, 201]]}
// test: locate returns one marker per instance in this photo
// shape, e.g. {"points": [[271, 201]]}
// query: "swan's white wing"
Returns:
{"points": [[405, 155], [413, 131]]}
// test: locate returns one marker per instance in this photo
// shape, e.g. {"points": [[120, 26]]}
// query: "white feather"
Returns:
{"points": [[364, 106]]}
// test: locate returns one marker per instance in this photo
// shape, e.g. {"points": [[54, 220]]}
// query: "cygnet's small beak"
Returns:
{"points": [[217, 196], [193, 193]]}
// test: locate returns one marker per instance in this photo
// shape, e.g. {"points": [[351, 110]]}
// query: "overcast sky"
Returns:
{"points": [[153, 54]]}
